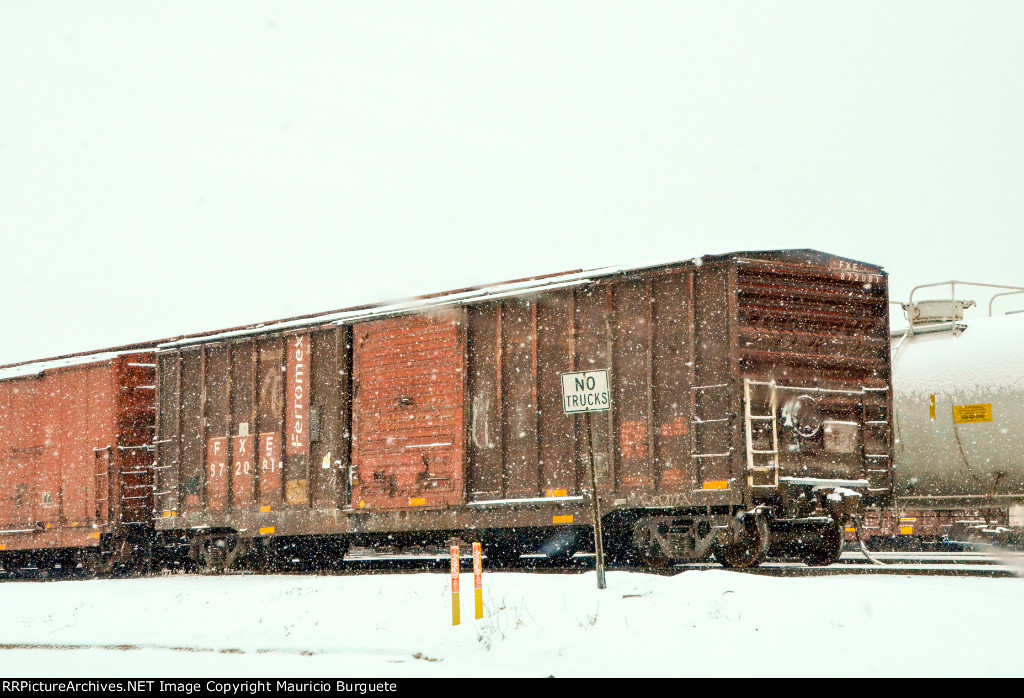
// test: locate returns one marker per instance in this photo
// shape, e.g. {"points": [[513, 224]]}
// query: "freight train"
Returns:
{"points": [[749, 412], [959, 446]]}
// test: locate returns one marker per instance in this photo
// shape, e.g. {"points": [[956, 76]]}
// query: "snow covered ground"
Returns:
{"points": [[707, 623]]}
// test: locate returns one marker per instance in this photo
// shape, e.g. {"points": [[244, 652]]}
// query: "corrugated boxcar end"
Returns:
{"points": [[748, 389], [66, 426]]}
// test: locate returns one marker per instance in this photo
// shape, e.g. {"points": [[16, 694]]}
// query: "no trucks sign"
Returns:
{"points": [[586, 391]]}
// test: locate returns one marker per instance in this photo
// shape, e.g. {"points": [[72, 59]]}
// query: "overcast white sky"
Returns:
{"points": [[175, 167]]}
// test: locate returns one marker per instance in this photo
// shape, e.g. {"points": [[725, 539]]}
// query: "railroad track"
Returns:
{"points": [[973, 564], [968, 564]]}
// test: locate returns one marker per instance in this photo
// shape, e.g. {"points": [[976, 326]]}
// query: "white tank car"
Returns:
{"points": [[958, 397]]}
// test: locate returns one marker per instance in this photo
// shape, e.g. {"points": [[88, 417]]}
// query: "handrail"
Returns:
{"points": [[1005, 293], [953, 285]]}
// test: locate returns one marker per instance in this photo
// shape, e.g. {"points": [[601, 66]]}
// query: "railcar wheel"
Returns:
{"points": [[217, 553], [117, 555], [648, 550], [830, 548], [749, 546]]}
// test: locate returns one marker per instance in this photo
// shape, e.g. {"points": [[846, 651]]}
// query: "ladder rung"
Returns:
{"points": [[766, 417], [774, 453], [711, 455]]}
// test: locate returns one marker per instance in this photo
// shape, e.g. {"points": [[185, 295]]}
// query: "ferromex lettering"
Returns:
{"points": [[297, 396]]}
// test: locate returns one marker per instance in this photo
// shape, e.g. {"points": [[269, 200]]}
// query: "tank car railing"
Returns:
{"points": [[998, 295], [953, 284], [1008, 291]]}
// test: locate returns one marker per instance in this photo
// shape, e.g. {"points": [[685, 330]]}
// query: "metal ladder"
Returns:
{"points": [[874, 415], [701, 421], [753, 454]]}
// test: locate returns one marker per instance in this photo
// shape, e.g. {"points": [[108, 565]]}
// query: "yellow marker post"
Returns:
{"points": [[455, 585], [478, 581]]}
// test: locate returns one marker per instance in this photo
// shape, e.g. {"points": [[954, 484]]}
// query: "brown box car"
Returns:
{"points": [[76, 451], [750, 408]]}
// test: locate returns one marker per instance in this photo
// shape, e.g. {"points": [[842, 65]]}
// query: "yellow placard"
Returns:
{"points": [[567, 518], [418, 502], [850, 529], [266, 530], [716, 485], [931, 407], [554, 493], [265, 509], [906, 530], [972, 414]]}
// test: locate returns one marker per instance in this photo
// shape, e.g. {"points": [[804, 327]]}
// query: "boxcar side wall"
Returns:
{"points": [[253, 426], [642, 330], [450, 420]]}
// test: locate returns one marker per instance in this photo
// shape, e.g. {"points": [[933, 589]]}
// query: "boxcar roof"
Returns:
{"points": [[38, 367], [502, 290]]}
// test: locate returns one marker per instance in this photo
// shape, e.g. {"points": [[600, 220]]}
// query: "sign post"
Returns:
{"points": [[455, 584], [586, 392], [478, 581]]}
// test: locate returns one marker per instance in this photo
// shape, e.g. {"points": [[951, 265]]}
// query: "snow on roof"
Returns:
{"points": [[481, 293], [438, 301], [35, 368]]}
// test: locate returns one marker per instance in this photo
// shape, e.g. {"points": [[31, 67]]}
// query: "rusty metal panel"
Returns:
{"points": [[193, 429], [407, 411], [484, 467], [100, 399], [21, 456], [297, 393], [75, 451], [715, 420], [243, 471], [169, 436], [631, 385], [594, 351], [672, 374], [555, 355], [519, 397], [270, 420], [217, 429], [328, 418], [132, 404], [50, 410], [243, 466]]}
